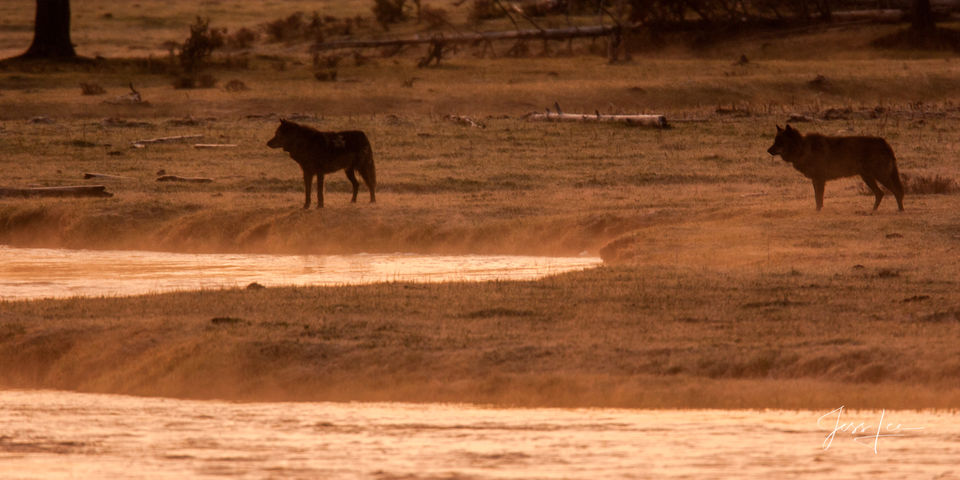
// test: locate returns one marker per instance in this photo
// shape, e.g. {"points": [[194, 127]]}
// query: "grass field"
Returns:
{"points": [[723, 287]]}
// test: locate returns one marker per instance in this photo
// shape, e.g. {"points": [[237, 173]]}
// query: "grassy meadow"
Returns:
{"points": [[722, 286]]}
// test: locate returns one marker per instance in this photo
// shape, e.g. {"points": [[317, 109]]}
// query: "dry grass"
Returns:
{"points": [[723, 288], [615, 336]]}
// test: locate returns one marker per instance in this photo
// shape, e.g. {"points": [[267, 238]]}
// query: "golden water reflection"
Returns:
{"points": [[27, 273], [54, 435]]}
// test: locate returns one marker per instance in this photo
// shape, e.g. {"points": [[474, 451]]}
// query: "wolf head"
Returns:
{"points": [[278, 137], [785, 140]]}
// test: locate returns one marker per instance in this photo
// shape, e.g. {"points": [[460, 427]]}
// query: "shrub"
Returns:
{"points": [[91, 89], [201, 44], [286, 29], [326, 61], [242, 39], [388, 12], [236, 86]]}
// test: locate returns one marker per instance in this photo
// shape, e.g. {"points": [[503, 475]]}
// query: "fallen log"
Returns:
{"points": [[88, 176], [214, 145], [175, 178], [545, 34], [658, 121], [65, 191], [178, 138], [889, 15]]}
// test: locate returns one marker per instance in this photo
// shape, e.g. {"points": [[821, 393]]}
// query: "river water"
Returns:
{"points": [[27, 273], [60, 435]]}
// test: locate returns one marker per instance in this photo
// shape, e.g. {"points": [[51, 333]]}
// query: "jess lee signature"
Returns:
{"points": [[863, 433]]}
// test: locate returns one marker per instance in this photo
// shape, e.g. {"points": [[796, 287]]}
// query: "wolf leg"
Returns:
{"points": [[818, 185], [877, 192], [307, 181], [353, 180]]}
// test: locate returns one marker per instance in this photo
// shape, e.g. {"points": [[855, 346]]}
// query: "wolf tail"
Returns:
{"points": [[895, 180], [895, 184], [368, 172]]}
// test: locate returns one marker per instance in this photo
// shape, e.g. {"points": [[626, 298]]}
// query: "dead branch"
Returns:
{"points": [[658, 121], [178, 138], [65, 191], [547, 34], [175, 178], [88, 176]]}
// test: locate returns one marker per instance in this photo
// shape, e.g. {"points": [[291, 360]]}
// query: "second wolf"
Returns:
{"points": [[320, 153], [821, 158]]}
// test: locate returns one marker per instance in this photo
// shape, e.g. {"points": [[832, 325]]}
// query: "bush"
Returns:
{"points": [[236, 86], [286, 29], [388, 12], [91, 89], [242, 39], [201, 44]]}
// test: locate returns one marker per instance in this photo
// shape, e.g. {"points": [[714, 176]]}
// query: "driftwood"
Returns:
{"points": [[65, 191], [545, 34], [178, 138], [214, 145], [88, 176], [890, 15], [175, 178], [658, 121]]}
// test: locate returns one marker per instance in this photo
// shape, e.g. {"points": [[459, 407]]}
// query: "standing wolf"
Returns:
{"points": [[821, 158], [320, 153]]}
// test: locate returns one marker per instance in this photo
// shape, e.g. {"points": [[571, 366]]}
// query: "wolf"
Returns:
{"points": [[821, 158], [320, 153]]}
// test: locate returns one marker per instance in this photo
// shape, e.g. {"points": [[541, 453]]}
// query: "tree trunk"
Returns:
{"points": [[922, 16], [51, 32]]}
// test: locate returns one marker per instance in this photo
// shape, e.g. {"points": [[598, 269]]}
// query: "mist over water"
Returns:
{"points": [[27, 273], [54, 435]]}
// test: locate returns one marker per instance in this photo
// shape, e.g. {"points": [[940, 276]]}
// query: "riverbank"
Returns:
{"points": [[871, 328]]}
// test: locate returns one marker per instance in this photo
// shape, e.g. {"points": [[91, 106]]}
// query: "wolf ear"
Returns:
{"points": [[789, 128], [779, 129]]}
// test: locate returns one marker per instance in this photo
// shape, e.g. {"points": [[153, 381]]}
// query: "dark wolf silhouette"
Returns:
{"points": [[320, 153], [821, 158]]}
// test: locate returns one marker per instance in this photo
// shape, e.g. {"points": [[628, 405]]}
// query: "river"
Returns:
{"points": [[29, 273], [61, 435]]}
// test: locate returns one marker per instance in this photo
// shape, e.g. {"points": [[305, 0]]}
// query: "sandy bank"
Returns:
{"points": [[630, 337]]}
